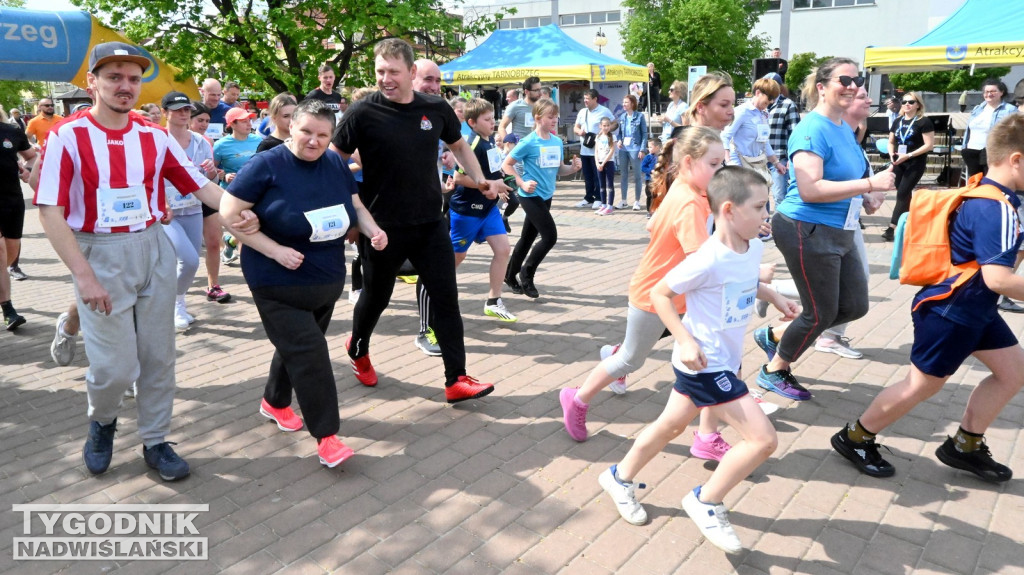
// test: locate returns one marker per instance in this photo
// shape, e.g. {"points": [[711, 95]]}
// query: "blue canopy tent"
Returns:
{"points": [[511, 56], [980, 33]]}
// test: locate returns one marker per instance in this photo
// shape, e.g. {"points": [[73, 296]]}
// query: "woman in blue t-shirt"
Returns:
{"points": [[814, 224], [295, 266], [541, 155]]}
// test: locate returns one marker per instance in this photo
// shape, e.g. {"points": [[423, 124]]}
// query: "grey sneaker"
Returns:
{"points": [[427, 342], [623, 496], [16, 273], [62, 349], [162, 458]]}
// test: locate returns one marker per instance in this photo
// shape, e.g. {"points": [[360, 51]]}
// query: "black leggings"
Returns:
{"points": [[538, 221], [908, 175], [296, 319], [972, 159], [429, 248]]}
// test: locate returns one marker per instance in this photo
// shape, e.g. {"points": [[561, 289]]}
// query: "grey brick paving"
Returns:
{"points": [[495, 485]]}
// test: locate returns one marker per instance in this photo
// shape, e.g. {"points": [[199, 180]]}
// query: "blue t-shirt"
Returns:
{"points": [[541, 159], [231, 154], [471, 201], [218, 112], [842, 161], [989, 232], [282, 188], [647, 165]]}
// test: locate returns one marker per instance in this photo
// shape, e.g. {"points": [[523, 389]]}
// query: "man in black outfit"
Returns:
{"points": [[396, 131]]}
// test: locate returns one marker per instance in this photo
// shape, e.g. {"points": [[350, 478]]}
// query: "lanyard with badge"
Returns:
{"points": [[903, 133], [328, 223], [627, 141]]}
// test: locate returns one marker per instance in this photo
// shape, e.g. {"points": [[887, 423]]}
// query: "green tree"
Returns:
{"points": [[13, 93], [277, 45], [945, 81], [800, 65], [677, 34]]}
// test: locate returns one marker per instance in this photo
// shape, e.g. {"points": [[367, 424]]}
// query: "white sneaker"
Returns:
{"points": [[636, 207], [498, 310], [597, 204], [622, 205], [618, 386], [132, 391], [353, 296], [713, 522], [840, 347], [181, 322], [583, 204], [767, 407], [624, 497], [62, 349]]}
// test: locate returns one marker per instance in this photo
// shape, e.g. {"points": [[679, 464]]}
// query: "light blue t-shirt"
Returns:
{"points": [[541, 159], [842, 161], [231, 154]]}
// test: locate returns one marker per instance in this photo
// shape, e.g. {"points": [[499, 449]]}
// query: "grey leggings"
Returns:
{"points": [[829, 274], [643, 330]]}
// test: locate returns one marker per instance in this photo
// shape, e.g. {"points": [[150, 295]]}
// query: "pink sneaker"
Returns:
{"points": [[618, 386], [712, 450], [574, 416], [285, 418]]}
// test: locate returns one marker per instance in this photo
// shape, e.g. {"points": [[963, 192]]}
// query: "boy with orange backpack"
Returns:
{"points": [[955, 315]]}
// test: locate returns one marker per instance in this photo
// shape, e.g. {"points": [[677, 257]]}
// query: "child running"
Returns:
{"points": [[720, 281], [605, 158], [681, 226], [474, 214], [541, 155], [647, 167], [956, 319]]}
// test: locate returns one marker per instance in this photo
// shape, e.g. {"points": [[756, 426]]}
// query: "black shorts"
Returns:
{"points": [[707, 389], [12, 217], [208, 211]]}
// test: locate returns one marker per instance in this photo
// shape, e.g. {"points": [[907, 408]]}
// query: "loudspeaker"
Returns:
{"points": [[763, 66]]}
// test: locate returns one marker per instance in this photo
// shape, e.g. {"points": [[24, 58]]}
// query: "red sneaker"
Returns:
{"points": [[285, 418], [362, 368], [466, 388], [332, 451]]}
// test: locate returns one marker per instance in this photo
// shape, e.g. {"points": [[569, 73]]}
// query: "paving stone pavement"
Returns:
{"points": [[496, 485]]}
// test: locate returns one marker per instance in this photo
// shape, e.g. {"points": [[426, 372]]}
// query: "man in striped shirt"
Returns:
{"points": [[100, 193]]}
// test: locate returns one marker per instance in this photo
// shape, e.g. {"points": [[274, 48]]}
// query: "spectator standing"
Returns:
{"points": [[588, 124], [38, 128]]}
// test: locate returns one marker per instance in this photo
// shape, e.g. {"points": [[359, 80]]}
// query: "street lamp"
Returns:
{"points": [[600, 40]]}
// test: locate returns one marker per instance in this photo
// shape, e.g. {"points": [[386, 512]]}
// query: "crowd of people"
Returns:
{"points": [[725, 180]]}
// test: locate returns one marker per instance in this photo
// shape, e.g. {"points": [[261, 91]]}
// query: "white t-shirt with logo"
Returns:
{"points": [[720, 287]]}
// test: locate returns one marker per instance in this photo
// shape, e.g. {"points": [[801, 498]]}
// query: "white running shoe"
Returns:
{"points": [[582, 204], [181, 322], [713, 522], [839, 346], [597, 204], [353, 296], [636, 207], [623, 496], [62, 349], [622, 205], [618, 386], [498, 310]]}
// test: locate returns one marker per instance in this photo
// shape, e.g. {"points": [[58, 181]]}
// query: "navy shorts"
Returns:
{"points": [[941, 346], [707, 389], [468, 229]]}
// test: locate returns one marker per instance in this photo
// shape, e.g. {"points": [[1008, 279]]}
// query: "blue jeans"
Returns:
{"points": [[779, 184], [629, 160]]}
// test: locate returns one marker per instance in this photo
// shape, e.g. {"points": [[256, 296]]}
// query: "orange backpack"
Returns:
{"points": [[927, 256]]}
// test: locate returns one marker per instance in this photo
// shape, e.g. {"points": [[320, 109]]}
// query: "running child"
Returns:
{"points": [[720, 281], [953, 322], [605, 158], [474, 215], [540, 152]]}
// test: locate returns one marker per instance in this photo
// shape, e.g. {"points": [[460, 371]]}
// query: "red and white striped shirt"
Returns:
{"points": [[81, 157]]}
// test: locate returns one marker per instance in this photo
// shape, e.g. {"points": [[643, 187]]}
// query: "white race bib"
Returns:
{"points": [[121, 207], [762, 133], [550, 157], [179, 202], [328, 223], [494, 160], [627, 141], [853, 214], [528, 120], [737, 303], [215, 131]]}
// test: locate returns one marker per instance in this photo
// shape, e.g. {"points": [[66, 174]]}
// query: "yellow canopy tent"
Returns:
{"points": [[981, 33]]}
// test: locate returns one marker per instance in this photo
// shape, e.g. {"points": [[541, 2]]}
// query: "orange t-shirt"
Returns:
{"points": [[40, 127], [681, 224]]}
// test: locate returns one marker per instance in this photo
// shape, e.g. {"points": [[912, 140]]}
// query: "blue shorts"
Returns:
{"points": [[941, 346], [707, 389], [468, 229]]}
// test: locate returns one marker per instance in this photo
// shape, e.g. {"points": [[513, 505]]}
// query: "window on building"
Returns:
{"points": [[545, 20], [532, 22], [586, 18], [613, 16], [567, 19]]}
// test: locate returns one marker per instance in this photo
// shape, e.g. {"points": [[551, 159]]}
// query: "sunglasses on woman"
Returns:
{"points": [[909, 102], [847, 80]]}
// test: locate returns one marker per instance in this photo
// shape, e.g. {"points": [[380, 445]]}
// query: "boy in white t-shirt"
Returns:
{"points": [[720, 281]]}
